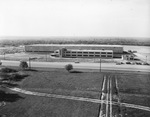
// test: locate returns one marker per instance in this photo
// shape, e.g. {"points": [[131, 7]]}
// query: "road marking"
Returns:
{"points": [[120, 113], [107, 98], [110, 96], [102, 98]]}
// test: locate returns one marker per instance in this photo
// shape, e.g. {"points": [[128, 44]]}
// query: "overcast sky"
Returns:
{"points": [[119, 18]]}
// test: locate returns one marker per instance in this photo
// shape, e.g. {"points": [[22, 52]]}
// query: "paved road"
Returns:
{"points": [[104, 66]]}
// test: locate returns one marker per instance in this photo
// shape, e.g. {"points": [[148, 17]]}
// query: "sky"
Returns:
{"points": [[110, 18]]}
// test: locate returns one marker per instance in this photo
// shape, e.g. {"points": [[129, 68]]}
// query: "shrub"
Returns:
{"points": [[7, 70], [17, 76], [69, 67], [4, 76], [23, 65]]}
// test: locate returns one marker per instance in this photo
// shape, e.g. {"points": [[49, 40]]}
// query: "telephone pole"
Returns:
{"points": [[100, 65]]}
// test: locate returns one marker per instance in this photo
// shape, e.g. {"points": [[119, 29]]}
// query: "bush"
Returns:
{"points": [[4, 76], [17, 76], [23, 65], [7, 70], [69, 67]]}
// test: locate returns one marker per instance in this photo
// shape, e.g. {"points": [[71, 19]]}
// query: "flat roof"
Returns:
{"points": [[91, 50], [62, 45]]}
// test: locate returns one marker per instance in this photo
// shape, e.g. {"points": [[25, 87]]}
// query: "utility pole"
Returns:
{"points": [[31, 58], [100, 65], [29, 63]]}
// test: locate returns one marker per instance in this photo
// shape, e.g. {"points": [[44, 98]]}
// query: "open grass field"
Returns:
{"points": [[32, 106], [133, 87]]}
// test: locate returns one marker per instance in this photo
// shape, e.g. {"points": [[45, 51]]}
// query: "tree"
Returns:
{"points": [[23, 65], [69, 67], [8, 79]]}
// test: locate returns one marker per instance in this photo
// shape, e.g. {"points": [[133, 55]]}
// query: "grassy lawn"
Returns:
{"points": [[134, 88], [86, 84], [32, 106], [134, 83]]}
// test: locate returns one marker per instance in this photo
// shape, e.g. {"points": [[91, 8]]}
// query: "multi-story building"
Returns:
{"points": [[83, 53], [117, 50]]}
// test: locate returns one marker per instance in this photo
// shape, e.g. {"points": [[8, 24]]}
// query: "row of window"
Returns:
{"points": [[88, 52], [68, 55]]}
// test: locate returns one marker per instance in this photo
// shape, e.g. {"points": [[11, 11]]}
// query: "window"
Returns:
{"points": [[91, 52], [109, 52], [85, 55], [97, 55], [97, 52], [67, 51], [79, 55], [109, 56], [79, 52], [91, 55], [103, 55], [73, 52], [103, 52], [68, 55], [74, 55]]}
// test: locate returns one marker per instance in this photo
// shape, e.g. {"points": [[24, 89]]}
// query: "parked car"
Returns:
{"points": [[121, 62], [128, 62], [145, 63], [138, 63], [76, 62], [133, 63]]}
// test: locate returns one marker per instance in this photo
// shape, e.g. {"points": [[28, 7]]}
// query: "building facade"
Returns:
{"points": [[51, 48], [83, 53]]}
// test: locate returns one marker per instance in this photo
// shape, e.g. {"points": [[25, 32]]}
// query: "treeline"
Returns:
{"points": [[107, 41]]}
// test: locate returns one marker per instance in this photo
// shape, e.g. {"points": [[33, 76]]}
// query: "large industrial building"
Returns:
{"points": [[83, 53], [80, 50]]}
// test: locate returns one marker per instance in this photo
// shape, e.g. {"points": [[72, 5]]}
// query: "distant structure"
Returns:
{"points": [[83, 53], [75, 51]]}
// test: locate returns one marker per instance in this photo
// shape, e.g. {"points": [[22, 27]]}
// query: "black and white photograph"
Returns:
{"points": [[74, 58]]}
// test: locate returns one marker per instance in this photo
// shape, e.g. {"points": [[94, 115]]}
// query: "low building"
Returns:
{"points": [[50, 48], [129, 57], [68, 53]]}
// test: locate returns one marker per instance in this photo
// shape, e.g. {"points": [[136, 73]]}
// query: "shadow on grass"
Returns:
{"points": [[7, 70], [31, 70], [76, 72], [9, 97], [18, 77], [8, 84], [12, 76]]}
